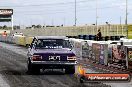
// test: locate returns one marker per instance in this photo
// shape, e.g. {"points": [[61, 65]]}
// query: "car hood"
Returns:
{"points": [[54, 51]]}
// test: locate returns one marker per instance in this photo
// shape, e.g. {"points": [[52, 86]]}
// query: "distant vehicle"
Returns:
{"points": [[51, 52], [18, 34]]}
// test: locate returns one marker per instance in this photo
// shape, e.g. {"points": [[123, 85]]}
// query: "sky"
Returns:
{"points": [[57, 12]]}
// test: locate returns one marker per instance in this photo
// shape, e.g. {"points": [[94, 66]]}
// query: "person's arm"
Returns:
{"points": [[97, 35]]}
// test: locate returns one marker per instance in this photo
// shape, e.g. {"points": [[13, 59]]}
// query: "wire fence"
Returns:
{"points": [[106, 30]]}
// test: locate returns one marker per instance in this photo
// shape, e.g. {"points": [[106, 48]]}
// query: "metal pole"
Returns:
{"points": [[12, 21], [52, 22], [126, 18], [31, 22], [97, 15], [120, 20], [64, 21], [75, 12]]}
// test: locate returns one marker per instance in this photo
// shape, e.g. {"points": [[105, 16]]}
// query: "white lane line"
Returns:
{"points": [[3, 83]]}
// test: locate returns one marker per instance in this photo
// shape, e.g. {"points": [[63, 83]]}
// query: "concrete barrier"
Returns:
{"points": [[28, 40]]}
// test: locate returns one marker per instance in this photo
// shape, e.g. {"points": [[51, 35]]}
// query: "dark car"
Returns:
{"points": [[51, 52]]}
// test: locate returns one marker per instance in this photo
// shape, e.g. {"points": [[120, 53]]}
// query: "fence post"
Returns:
{"points": [[117, 29], [122, 29], [110, 29]]}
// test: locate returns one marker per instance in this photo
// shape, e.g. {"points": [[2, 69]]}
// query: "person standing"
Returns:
{"points": [[4, 34], [99, 35]]}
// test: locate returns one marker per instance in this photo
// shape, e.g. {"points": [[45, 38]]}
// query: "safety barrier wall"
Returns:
{"points": [[77, 47], [109, 53], [19, 40], [8, 39]]}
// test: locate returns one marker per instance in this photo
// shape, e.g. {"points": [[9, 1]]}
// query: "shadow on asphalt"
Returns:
{"points": [[12, 72], [50, 72], [47, 73], [25, 72]]}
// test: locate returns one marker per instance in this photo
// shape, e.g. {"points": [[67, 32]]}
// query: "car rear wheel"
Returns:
{"points": [[70, 70], [32, 69]]}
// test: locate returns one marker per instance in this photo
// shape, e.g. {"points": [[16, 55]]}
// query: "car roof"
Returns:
{"points": [[51, 37]]}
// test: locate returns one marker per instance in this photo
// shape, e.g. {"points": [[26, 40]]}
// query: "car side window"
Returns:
{"points": [[40, 43]]}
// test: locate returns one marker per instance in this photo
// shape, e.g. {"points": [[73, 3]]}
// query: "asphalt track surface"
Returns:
{"points": [[13, 68], [13, 72]]}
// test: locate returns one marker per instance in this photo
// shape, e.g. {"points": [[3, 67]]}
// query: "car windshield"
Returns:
{"points": [[52, 44]]}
